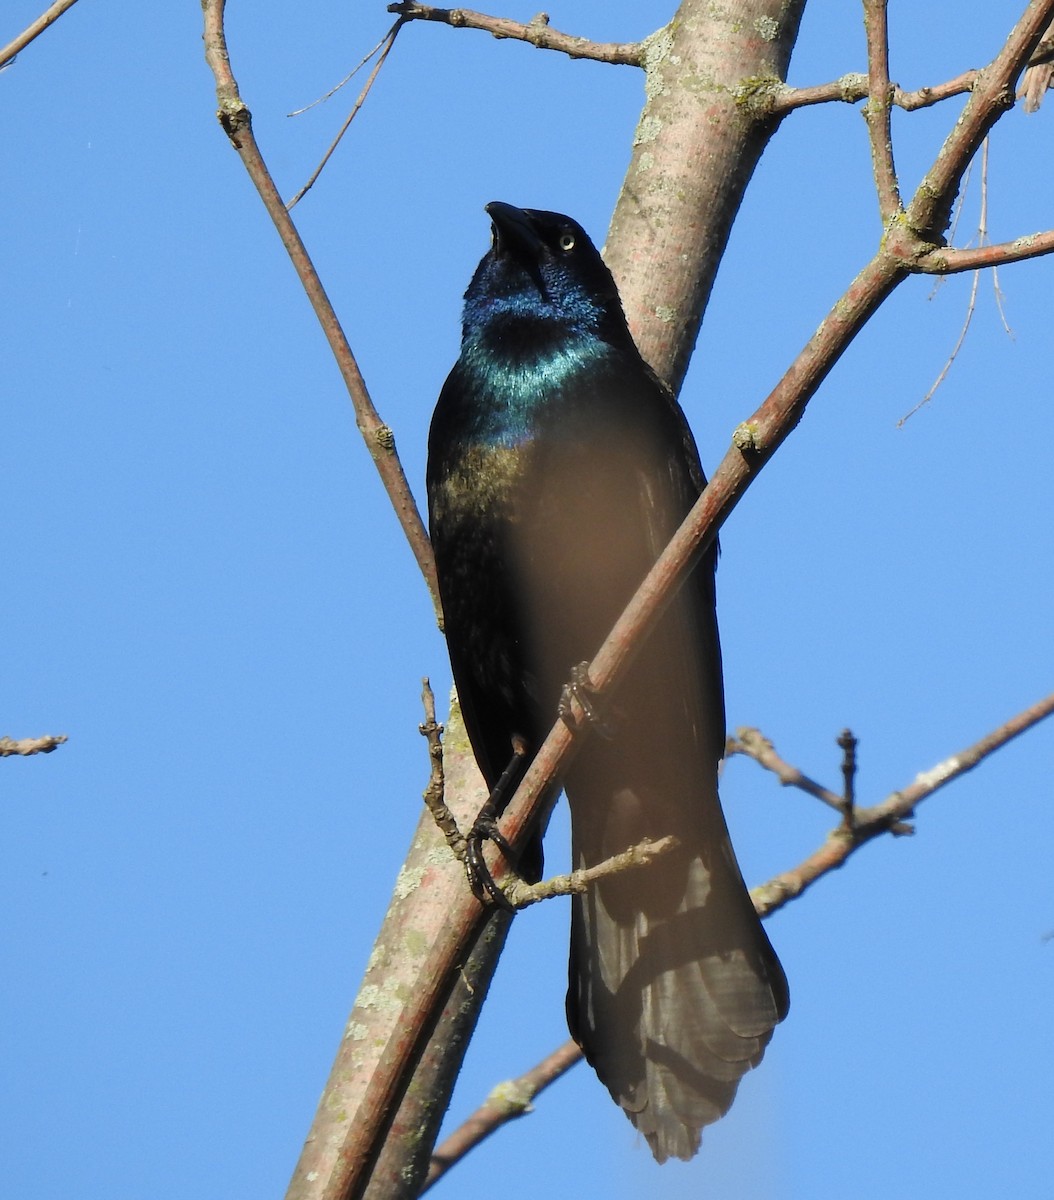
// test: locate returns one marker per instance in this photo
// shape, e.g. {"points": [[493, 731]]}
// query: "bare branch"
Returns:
{"points": [[538, 32], [949, 261], [46, 18], [522, 894], [852, 88], [877, 109], [27, 746], [236, 120], [890, 814], [505, 1103]]}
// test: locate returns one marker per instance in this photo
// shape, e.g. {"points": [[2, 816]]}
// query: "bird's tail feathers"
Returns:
{"points": [[671, 1011]]}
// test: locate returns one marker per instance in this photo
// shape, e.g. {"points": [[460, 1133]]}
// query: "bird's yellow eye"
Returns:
{"points": [[567, 241]]}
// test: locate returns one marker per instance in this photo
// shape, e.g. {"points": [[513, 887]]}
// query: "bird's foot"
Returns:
{"points": [[483, 884], [580, 689]]}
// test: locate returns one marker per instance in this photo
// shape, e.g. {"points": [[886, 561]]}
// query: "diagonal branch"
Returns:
{"points": [[46, 18], [753, 744], [949, 261], [505, 1103], [537, 32]]}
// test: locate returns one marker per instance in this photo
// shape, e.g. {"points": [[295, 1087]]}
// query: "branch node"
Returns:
{"points": [[235, 118], [747, 437]]}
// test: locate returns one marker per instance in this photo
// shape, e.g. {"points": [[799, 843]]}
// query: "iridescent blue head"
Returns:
{"points": [[543, 275]]}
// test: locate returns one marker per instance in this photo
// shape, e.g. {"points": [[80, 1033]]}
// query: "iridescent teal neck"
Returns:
{"points": [[516, 379]]}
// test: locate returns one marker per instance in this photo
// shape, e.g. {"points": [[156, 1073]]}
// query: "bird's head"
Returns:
{"points": [[543, 270]]}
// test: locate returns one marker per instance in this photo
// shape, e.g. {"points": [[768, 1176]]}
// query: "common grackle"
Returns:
{"points": [[559, 466]]}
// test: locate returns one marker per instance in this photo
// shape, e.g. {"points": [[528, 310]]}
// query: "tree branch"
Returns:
{"points": [[877, 109], [521, 894], [506, 1102], [537, 32], [852, 88], [236, 120], [49, 17], [949, 261], [753, 744]]}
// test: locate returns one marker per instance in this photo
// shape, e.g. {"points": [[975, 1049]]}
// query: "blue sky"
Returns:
{"points": [[206, 590]]}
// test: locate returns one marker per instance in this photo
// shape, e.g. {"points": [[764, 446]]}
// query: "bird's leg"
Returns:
{"points": [[579, 688], [485, 829]]}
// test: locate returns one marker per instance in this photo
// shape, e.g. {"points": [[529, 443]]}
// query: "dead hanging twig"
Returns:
{"points": [[981, 239], [384, 47]]}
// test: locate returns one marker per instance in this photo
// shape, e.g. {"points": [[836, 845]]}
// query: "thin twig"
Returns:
{"points": [[236, 120], [435, 792], [46, 18], [949, 261], [521, 894], [386, 45], [878, 107], [537, 32], [505, 1103], [299, 112], [753, 744], [971, 306], [27, 746]]}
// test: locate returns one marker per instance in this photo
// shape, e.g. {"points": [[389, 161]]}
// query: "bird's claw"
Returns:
{"points": [[579, 688], [483, 884]]}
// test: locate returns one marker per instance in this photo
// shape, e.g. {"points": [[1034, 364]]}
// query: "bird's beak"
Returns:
{"points": [[513, 232]]}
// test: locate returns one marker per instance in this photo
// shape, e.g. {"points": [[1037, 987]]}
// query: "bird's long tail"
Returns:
{"points": [[674, 990]]}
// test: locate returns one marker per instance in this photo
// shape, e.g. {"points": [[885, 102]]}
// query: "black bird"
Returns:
{"points": [[559, 466]]}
